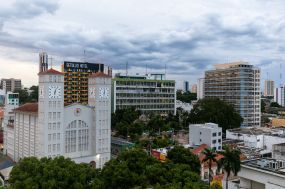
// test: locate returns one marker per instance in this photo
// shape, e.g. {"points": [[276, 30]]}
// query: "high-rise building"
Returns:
{"points": [[80, 132], [194, 88], [43, 62], [11, 84], [269, 88], [76, 79], [145, 93], [186, 86], [237, 83], [279, 95], [200, 88]]}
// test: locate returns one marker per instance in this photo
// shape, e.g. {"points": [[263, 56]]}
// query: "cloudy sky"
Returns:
{"points": [[188, 36]]}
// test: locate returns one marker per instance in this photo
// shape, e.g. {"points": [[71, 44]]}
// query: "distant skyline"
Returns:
{"points": [[188, 36]]}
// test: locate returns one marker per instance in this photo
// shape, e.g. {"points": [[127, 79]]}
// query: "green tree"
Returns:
{"points": [[23, 95], [186, 96], [181, 155], [274, 104], [216, 111], [210, 156], [51, 173], [230, 162], [34, 94]]}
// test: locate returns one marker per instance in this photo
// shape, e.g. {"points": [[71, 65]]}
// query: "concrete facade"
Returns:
{"points": [[208, 133], [50, 128], [238, 84]]}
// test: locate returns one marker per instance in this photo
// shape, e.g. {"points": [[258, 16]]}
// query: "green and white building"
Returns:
{"points": [[151, 94]]}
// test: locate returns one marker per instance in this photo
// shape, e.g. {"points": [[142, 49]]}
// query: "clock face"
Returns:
{"points": [[92, 92], [54, 91], [104, 93], [41, 92]]}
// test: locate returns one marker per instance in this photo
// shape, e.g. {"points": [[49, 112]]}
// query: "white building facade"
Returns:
{"points": [[200, 88], [262, 174], [279, 95], [208, 133], [50, 128]]}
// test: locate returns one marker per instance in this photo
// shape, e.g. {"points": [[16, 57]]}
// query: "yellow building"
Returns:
{"points": [[76, 79], [278, 122]]}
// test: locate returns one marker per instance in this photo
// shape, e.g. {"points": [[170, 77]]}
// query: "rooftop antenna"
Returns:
{"points": [[51, 58], [84, 55], [165, 70], [145, 69], [280, 75], [127, 68]]}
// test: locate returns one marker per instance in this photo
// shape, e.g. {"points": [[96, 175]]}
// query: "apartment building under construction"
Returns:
{"points": [[76, 79], [237, 83]]}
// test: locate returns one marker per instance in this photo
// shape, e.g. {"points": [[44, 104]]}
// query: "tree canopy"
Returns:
{"points": [[186, 96], [216, 111], [25, 96], [133, 169]]}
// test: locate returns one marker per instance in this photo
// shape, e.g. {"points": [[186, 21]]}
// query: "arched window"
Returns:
{"points": [[76, 136]]}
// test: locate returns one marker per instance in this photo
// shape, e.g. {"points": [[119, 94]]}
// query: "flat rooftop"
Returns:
{"points": [[206, 125], [266, 164], [276, 131]]}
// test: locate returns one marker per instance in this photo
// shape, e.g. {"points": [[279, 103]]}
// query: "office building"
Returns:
{"points": [[186, 86], [43, 62], [11, 85], [194, 88], [149, 94], [200, 88], [268, 88], [208, 133], [50, 128], [279, 95], [264, 173], [237, 83], [76, 79]]}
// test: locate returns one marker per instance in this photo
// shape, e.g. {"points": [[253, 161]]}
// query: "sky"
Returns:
{"points": [[184, 36]]}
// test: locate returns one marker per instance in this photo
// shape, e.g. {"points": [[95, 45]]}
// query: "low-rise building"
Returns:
{"points": [[278, 151], [260, 139], [208, 133], [262, 174]]}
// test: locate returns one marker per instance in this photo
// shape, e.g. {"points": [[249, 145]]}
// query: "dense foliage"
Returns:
{"points": [[216, 111], [131, 170], [275, 104], [186, 96], [25, 96]]}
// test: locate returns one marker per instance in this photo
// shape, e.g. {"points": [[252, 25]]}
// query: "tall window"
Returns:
{"points": [[76, 136]]}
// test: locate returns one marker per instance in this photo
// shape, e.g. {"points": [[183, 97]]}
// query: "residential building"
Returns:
{"points": [[200, 88], [268, 88], [259, 140], [194, 88], [279, 95], [208, 133], [186, 86], [11, 85], [76, 79], [149, 93], [237, 83], [2, 97], [80, 132], [262, 174]]}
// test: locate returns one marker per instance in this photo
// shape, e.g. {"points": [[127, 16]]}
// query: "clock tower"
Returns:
{"points": [[50, 114], [99, 97]]}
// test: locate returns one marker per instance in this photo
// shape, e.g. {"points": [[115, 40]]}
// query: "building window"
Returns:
{"points": [[58, 136], [219, 140], [214, 141], [49, 148], [49, 137], [220, 133], [214, 134], [200, 133]]}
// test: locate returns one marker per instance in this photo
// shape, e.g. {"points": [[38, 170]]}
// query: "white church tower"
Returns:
{"points": [[50, 133], [99, 97]]}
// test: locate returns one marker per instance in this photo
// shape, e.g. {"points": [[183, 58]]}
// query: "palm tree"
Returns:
{"points": [[230, 162], [210, 156]]}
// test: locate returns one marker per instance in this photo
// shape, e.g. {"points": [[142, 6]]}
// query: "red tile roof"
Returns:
{"points": [[99, 74], [199, 149], [28, 107], [51, 71]]}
